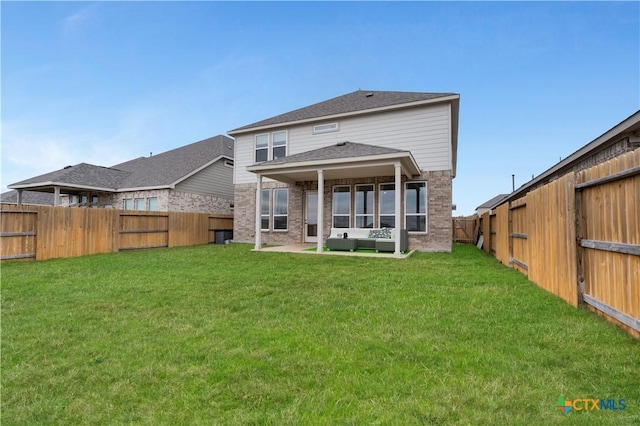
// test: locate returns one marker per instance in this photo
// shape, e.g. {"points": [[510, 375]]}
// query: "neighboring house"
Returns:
{"points": [[29, 198], [195, 178], [622, 138], [488, 205], [367, 159]]}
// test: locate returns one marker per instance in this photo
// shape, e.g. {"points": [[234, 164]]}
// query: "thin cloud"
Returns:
{"points": [[77, 22]]}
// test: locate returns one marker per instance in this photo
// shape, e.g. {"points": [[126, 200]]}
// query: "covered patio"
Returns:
{"points": [[306, 248], [344, 160]]}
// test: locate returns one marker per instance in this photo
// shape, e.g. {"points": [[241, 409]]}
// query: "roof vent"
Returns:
{"points": [[67, 167], [341, 144], [368, 95]]}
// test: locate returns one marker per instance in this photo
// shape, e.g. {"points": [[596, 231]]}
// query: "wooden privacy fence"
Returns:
{"points": [[578, 237], [465, 229], [43, 232]]}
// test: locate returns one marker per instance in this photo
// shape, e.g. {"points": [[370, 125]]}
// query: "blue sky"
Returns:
{"points": [[106, 82]]}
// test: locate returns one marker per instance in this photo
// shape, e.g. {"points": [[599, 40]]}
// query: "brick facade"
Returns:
{"points": [[439, 224], [167, 199]]}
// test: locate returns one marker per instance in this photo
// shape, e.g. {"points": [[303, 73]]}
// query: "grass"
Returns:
{"points": [[222, 335]]}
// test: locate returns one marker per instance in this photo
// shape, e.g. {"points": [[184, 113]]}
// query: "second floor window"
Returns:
{"points": [[262, 148], [270, 146]]}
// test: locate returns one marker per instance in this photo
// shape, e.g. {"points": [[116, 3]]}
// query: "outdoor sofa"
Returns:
{"points": [[382, 239]]}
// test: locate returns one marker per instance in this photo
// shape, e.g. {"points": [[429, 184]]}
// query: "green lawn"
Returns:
{"points": [[222, 335]]}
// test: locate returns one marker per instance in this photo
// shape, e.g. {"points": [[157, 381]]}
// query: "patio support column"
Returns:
{"points": [[258, 245], [56, 196], [398, 201], [320, 210], [19, 198]]}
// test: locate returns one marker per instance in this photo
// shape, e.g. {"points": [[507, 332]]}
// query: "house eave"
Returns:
{"points": [[447, 98], [50, 185], [374, 165]]}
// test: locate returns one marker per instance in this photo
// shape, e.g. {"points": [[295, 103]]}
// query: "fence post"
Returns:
{"points": [[579, 249], [509, 232]]}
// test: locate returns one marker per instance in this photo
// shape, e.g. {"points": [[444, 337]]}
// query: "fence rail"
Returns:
{"points": [[43, 232], [578, 237]]}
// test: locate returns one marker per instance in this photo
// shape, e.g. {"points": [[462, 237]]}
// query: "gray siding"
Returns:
{"points": [[424, 131], [217, 179]]}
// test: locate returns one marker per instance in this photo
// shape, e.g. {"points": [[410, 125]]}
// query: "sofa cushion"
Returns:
{"points": [[380, 233]]}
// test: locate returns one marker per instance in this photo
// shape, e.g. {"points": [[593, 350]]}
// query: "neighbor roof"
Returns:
{"points": [[162, 170], [28, 198], [492, 202], [172, 166], [629, 126], [358, 101]]}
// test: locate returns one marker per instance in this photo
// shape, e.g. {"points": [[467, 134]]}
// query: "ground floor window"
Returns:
{"points": [[415, 206], [341, 206], [153, 204], [280, 209], [127, 204], [139, 204], [387, 205], [364, 205], [265, 224]]}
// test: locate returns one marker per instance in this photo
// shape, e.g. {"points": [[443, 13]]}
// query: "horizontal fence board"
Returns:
{"points": [[517, 235], [50, 232], [143, 231], [634, 171], [18, 256], [17, 234], [519, 263], [517, 206], [613, 247], [613, 312]]}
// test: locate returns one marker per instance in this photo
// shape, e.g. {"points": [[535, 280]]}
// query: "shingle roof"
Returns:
{"points": [[156, 171], [332, 152], [171, 166], [81, 174], [492, 202], [360, 100], [28, 198]]}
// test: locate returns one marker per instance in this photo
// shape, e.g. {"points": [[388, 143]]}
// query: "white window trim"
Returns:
{"points": [[270, 146], [333, 214], [355, 209], [255, 146], [335, 128], [273, 215], [380, 202], [426, 208]]}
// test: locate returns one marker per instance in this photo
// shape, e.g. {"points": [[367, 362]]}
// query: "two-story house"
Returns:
{"points": [[367, 159]]}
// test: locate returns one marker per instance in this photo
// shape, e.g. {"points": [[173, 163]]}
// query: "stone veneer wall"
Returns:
{"points": [[438, 237]]}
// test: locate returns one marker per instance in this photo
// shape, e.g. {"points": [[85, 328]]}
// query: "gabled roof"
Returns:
{"points": [[360, 101], [171, 167], [81, 175], [31, 198], [333, 152], [160, 171]]}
